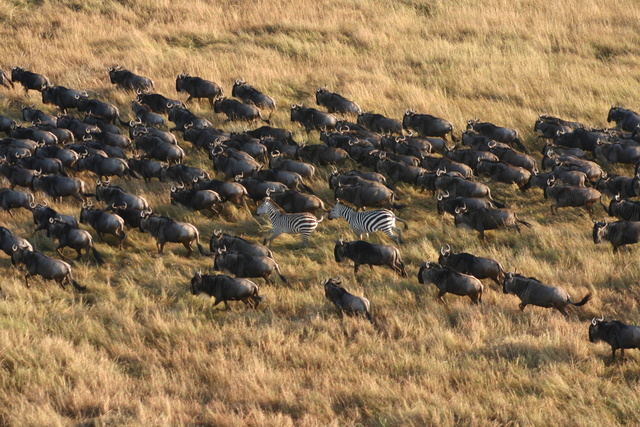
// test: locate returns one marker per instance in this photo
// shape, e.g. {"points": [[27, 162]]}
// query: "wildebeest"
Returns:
{"points": [[481, 268], [365, 253], [312, 119], [618, 185], [580, 138], [565, 195], [572, 178], [626, 120], [617, 334], [146, 117], [185, 119], [99, 109], [427, 125], [29, 80], [195, 199], [496, 133], [155, 148], [320, 154], [628, 210], [250, 95], [336, 103], [104, 167], [62, 97], [237, 111], [5, 80], [243, 265], [292, 180], [8, 240], [131, 217], [57, 187], [75, 238], [12, 199], [549, 126], [380, 124], [7, 124], [128, 80], [304, 169], [166, 230], [17, 175], [42, 215], [237, 245], [183, 173], [104, 223], [512, 157], [39, 264], [505, 173], [232, 163], [459, 186], [293, 201], [618, 153], [532, 291], [233, 192], [345, 302], [435, 163], [618, 233], [224, 289], [35, 116], [198, 87], [111, 194], [450, 204], [146, 168], [484, 219], [38, 135], [257, 189], [450, 281], [158, 103]]}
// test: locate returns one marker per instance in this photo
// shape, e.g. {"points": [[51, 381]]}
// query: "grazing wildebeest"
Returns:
{"points": [[484, 219], [617, 334], [532, 291], [237, 245], [224, 289], [345, 302], [39, 264], [103, 222], [365, 253], [336, 103], [29, 80], [243, 265], [481, 268], [618, 233], [198, 87], [165, 230], [450, 281], [128, 80]]}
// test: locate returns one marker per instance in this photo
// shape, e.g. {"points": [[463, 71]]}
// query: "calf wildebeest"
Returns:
{"points": [[532, 291], [313, 119], [224, 289], [380, 124], [29, 80], [627, 210], [75, 238], [62, 97], [237, 245], [198, 87], [111, 194], [427, 125], [237, 111], [345, 302], [336, 103], [365, 253], [481, 268], [565, 196], [618, 233], [549, 126], [617, 334], [243, 265], [496, 133], [57, 187], [626, 120], [8, 240], [103, 222], [250, 95], [12, 199], [42, 215], [484, 219], [39, 264], [166, 230], [5, 80], [197, 200], [128, 80], [450, 281]]}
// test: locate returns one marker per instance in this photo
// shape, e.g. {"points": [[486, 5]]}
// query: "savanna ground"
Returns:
{"points": [[138, 349]]}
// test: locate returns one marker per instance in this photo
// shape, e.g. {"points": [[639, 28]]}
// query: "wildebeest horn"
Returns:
{"points": [[448, 248], [439, 172], [492, 144], [268, 192], [442, 250], [51, 221], [14, 248], [439, 197], [594, 322], [601, 319], [457, 210], [173, 188], [44, 203], [446, 194]]}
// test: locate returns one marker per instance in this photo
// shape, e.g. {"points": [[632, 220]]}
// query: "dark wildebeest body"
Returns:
{"points": [[619, 233], [427, 125], [34, 134], [618, 185], [549, 126], [31, 114], [484, 219], [158, 103], [628, 210], [104, 167], [250, 95], [39, 264], [166, 230], [75, 238], [99, 109], [146, 168], [380, 124], [293, 201], [320, 154], [110, 195], [237, 245], [29, 80], [12, 199], [42, 216], [371, 194], [580, 138], [198, 87], [243, 265], [450, 281], [62, 97], [615, 333], [572, 178], [481, 268], [128, 80], [146, 117], [197, 200], [532, 292], [185, 119], [183, 173], [504, 173], [496, 133], [56, 186], [618, 153], [567, 196], [292, 180], [104, 223], [8, 240], [365, 253], [336, 103], [224, 289], [450, 204], [626, 120], [7, 124], [155, 148], [233, 192], [345, 302], [313, 119], [237, 111], [435, 163]]}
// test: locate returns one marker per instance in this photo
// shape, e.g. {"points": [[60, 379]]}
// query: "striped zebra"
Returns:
{"points": [[369, 221], [282, 222]]}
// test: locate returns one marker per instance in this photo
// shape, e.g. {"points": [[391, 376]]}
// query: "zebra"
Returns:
{"points": [[282, 222], [369, 221]]}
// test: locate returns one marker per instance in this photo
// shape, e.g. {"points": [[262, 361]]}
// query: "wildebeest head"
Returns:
{"points": [[444, 254], [594, 329], [599, 230], [196, 283], [339, 251]]}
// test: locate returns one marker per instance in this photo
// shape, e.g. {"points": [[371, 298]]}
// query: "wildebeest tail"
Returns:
{"points": [[78, 286], [97, 256], [585, 300], [397, 206], [525, 223], [308, 189], [201, 249], [284, 279], [521, 145]]}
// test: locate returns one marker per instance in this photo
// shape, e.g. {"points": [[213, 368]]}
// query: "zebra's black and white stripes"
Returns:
{"points": [[369, 221], [281, 222]]}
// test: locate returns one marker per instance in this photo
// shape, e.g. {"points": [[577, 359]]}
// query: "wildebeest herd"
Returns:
{"points": [[47, 154]]}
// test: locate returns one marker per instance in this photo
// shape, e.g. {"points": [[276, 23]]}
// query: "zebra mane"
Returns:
{"points": [[270, 200]]}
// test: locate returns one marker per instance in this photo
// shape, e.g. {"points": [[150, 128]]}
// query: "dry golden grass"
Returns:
{"points": [[138, 349]]}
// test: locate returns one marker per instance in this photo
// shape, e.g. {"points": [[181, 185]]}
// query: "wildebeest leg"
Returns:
{"points": [[59, 250], [61, 282], [226, 305], [188, 246], [160, 246], [440, 295], [522, 306], [622, 353], [79, 251], [100, 236], [26, 283], [563, 311], [10, 214], [481, 235]]}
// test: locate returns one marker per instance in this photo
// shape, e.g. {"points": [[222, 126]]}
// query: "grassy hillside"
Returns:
{"points": [[138, 348]]}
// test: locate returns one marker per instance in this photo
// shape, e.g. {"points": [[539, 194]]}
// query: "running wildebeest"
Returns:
{"points": [[243, 265], [619, 233], [166, 230], [128, 80], [615, 333], [365, 253], [481, 268], [39, 264], [450, 281], [224, 289], [198, 87], [345, 302], [8, 240]]}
